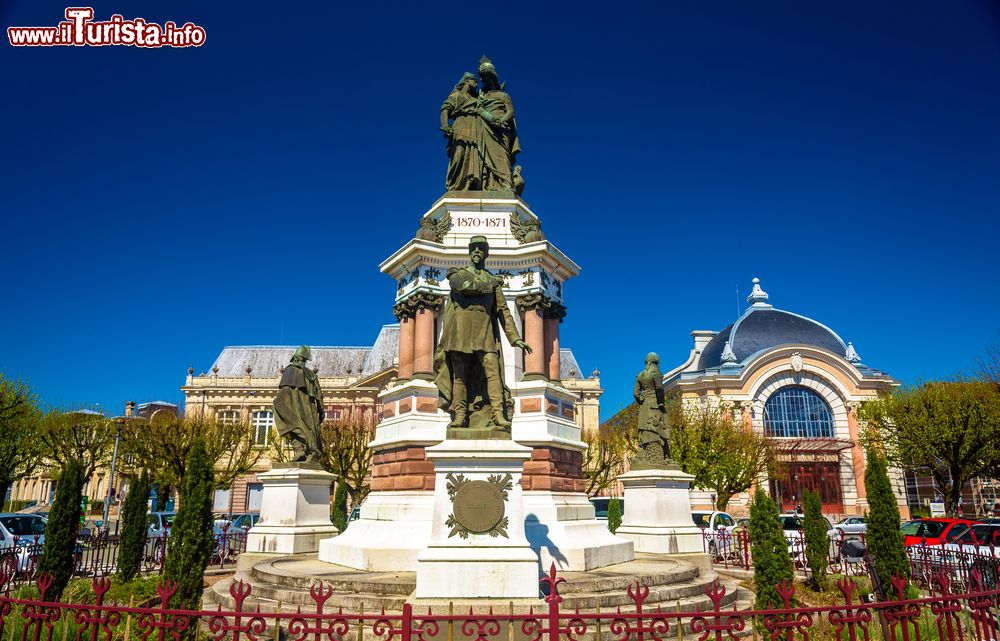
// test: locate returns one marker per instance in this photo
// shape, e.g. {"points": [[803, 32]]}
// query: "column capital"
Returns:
{"points": [[403, 309], [425, 300], [555, 311], [530, 302]]}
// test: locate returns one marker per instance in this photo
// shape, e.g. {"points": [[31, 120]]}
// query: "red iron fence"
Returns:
{"points": [[945, 615], [847, 557], [97, 555]]}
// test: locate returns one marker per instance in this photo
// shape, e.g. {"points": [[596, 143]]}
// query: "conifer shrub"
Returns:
{"points": [[817, 540], [61, 529], [614, 514], [883, 538], [339, 510], [192, 540], [769, 550], [134, 528]]}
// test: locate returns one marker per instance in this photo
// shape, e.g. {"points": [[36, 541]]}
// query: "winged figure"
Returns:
{"points": [[526, 231], [434, 230]]}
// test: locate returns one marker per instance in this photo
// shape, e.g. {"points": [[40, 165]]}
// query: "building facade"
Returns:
{"points": [[797, 382]]}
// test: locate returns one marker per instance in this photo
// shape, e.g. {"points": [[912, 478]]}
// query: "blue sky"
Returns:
{"points": [[160, 204]]}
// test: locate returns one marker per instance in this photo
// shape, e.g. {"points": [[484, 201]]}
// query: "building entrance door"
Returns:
{"points": [[817, 476]]}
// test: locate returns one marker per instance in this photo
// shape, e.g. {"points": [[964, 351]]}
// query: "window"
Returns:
{"points": [[797, 412], [262, 424], [228, 417]]}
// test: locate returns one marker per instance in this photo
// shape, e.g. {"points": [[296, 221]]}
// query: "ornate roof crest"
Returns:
{"points": [[758, 296], [728, 356], [851, 354]]}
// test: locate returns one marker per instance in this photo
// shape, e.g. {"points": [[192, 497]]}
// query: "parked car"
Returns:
{"points": [[159, 523], [717, 528], [356, 514], [244, 521], [933, 531], [18, 539], [791, 524], [851, 527], [969, 548], [601, 507]]}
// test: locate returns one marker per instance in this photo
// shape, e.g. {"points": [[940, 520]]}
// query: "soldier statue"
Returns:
{"points": [[469, 360], [298, 408], [654, 434]]}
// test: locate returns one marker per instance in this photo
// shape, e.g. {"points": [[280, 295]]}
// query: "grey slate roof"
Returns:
{"points": [[267, 360], [765, 328]]}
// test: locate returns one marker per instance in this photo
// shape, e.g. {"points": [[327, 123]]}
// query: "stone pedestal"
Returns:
{"points": [[657, 515], [294, 511], [477, 547]]}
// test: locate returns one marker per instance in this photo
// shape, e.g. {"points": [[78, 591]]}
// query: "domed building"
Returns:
{"points": [[796, 381]]}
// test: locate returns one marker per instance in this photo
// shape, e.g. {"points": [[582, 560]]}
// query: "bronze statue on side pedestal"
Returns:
{"points": [[654, 432], [298, 409]]}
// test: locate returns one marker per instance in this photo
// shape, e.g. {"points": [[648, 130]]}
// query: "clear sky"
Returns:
{"points": [[157, 205]]}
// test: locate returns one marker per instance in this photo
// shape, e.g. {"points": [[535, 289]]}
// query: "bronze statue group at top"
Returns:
{"points": [[482, 135]]}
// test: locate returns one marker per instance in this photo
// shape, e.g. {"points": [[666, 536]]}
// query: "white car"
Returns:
{"points": [[851, 527], [717, 528], [791, 524], [18, 534], [977, 547]]}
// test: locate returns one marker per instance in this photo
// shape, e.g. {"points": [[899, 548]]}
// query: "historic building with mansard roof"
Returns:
{"points": [[242, 382], [796, 381]]}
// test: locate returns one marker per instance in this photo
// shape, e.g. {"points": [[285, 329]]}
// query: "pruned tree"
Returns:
{"points": [[988, 366], [163, 444], [84, 436], [814, 530], [608, 448], [20, 453], [133, 529], [769, 548], [720, 453], [948, 430], [345, 449], [883, 538]]}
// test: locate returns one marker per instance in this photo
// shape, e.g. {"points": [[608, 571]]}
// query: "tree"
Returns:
{"points": [[163, 445], [614, 514], [883, 538], [346, 452], [19, 417], [769, 549], [61, 529], [338, 512], [134, 529], [948, 430], [82, 435], [817, 540], [191, 537], [608, 447], [720, 453], [989, 365]]}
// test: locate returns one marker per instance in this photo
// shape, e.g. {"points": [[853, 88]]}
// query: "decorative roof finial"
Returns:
{"points": [[728, 356], [758, 296], [851, 354]]}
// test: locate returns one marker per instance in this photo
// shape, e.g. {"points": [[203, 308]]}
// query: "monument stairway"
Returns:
{"points": [[283, 584]]}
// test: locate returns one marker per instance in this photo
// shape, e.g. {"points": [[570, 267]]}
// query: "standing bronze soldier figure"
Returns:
{"points": [[298, 408], [469, 360], [654, 434]]}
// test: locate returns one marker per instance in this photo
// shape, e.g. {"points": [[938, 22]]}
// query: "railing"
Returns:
{"points": [[97, 555], [733, 550], [944, 615]]}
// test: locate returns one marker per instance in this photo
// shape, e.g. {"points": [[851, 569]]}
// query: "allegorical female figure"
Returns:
{"points": [[654, 434], [500, 144], [464, 134]]}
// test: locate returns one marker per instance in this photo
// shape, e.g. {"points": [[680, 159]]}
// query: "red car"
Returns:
{"points": [[933, 531]]}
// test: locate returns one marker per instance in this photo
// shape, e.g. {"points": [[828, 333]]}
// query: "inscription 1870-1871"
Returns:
{"points": [[480, 221]]}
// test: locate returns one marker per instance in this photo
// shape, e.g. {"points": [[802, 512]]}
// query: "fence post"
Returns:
{"points": [[407, 621]]}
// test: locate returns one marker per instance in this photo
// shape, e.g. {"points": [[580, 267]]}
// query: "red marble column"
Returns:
{"points": [[857, 457], [534, 335], [552, 349], [423, 351], [407, 334]]}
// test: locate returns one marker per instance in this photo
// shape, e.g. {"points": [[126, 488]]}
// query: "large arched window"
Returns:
{"points": [[797, 412]]}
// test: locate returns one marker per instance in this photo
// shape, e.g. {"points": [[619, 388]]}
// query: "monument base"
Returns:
{"points": [[294, 511], [657, 515], [477, 546]]}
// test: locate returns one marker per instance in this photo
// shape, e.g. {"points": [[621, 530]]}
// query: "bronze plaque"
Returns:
{"points": [[478, 506]]}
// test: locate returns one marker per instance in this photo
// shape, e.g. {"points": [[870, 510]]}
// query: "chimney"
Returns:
{"points": [[130, 409], [701, 339]]}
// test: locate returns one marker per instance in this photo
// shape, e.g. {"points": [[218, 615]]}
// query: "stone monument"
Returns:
{"points": [[526, 411], [295, 505], [657, 493]]}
